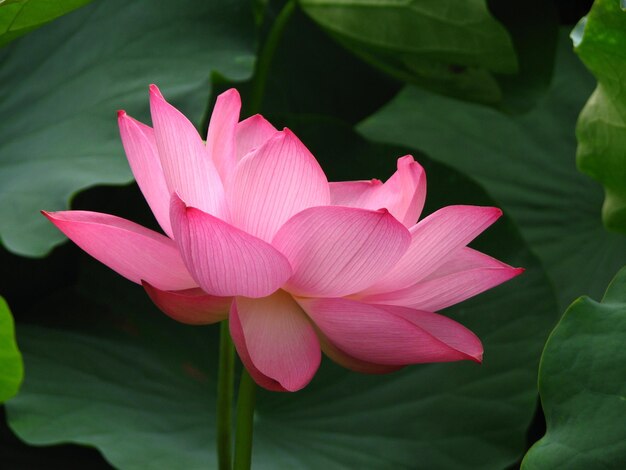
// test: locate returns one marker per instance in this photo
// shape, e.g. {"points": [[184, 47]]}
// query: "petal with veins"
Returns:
{"points": [[129, 249], [224, 260], [391, 335], [336, 251], [220, 141], [278, 339], [403, 194], [274, 182], [251, 133], [143, 157], [190, 306], [187, 166], [465, 275], [434, 240]]}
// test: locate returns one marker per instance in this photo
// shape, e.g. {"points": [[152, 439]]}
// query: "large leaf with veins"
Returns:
{"points": [[62, 84]]}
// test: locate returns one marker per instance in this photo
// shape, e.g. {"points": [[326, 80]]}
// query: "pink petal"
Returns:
{"points": [[143, 157], [236, 332], [390, 335], [279, 339], [350, 362], [271, 184], [445, 330], [465, 275], [336, 251], [187, 166], [127, 248], [191, 306], [433, 241], [252, 133], [224, 260], [403, 194], [220, 141]]}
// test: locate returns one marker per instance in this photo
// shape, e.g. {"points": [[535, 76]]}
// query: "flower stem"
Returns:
{"points": [[245, 421], [266, 55], [225, 390]]}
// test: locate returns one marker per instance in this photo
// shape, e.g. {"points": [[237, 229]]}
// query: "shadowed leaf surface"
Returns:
{"points": [[582, 386], [62, 84], [11, 368], [600, 42]]}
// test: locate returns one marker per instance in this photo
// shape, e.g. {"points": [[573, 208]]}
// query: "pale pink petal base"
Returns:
{"points": [[277, 338], [224, 260], [336, 251], [190, 306], [391, 335], [129, 249]]}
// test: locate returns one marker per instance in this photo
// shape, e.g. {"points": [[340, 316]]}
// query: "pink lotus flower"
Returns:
{"points": [[254, 232]]}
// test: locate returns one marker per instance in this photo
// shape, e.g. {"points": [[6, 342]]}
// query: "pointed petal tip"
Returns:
{"points": [[231, 93], [478, 358], [155, 92], [121, 113]]}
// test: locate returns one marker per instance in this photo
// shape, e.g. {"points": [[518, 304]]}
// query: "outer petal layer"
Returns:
{"points": [[403, 194], [190, 306], [224, 260], [220, 141], [434, 240], [143, 157], [273, 183], [465, 275], [129, 249], [351, 362], [391, 335], [336, 251], [251, 134], [187, 166], [279, 339]]}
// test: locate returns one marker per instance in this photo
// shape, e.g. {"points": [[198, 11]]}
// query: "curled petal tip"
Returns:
{"points": [[154, 91], [407, 159]]}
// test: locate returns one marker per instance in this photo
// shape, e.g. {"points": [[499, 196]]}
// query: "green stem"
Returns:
{"points": [[245, 422], [266, 55], [225, 390]]}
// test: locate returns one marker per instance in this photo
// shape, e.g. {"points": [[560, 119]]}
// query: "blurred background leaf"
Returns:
{"points": [[600, 42], [582, 387], [11, 367], [458, 49], [18, 17], [142, 386], [527, 164], [63, 83]]}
